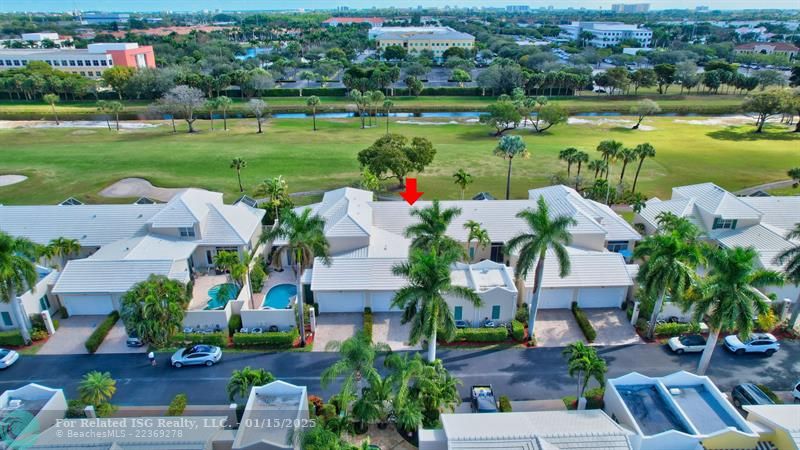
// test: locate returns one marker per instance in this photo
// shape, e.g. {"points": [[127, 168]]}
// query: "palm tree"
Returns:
{"points": [[584, 364], [225, 260], [154, 309], [63, 247], [580, 158], [115, 107], [462, 179], [224, 104], [643, 151], [626, 155], [566, 155], [376, 99], [508, 148], [275, 189], [545, 233], [97, 388], [790, 260], [387, 106], [211, 106], [728, 297], [17, 275], [423, 298], [102, 106], [609, 150], [305, 240], [356, 363], [312, 103], [52, 99], [478, 234], [432, 227], [238, 164], [599, 166], [244, 380]]}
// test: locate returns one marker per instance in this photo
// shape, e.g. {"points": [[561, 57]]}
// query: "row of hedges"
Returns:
{"points": [[11, 338], [583, 322], [481, 335], [99, 334], [518, 331], [219, 339], [676, 329], [368, 322], [276, 340]]}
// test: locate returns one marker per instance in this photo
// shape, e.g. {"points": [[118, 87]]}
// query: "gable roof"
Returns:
{"points": [[186, 209], [768, 240], [782, 212], [717, 201], [346, 212]]}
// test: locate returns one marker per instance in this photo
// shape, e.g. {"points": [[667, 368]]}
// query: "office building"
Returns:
{"points": [[417, 39], [608, 34], [89, 62], [630, 8]]}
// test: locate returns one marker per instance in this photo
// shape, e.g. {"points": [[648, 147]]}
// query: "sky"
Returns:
{"points": [[227, 5]]}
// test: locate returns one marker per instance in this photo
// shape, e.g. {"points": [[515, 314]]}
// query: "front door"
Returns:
{"points": [[497, 252], [209, 258]]}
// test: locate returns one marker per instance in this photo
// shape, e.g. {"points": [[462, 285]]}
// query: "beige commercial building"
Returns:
{"points": [[417, 39]]}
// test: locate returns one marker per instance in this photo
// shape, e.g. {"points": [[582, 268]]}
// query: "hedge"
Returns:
{"points": [[279, 339], [11, 338], [505, 404], [517, 330], [292, 92], [481, 334], [234, 324], [99, 334], [368, 322], [583, 322], [676, 329], [177, 405], [218, 338]]}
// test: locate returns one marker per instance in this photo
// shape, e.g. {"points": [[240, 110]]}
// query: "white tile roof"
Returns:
{"points": [[587, 269], [768, 240], [681, 207], [279, 402], [717, 201], [781, 212], [355, 274], [148, 247], [230, 225], [346, 212], [186, 209], [84, 276]]}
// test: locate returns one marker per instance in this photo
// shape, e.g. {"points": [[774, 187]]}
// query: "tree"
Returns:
{"points": [[609, 149], [376, 99], [313, 102], [728, 298], [387, 106], [369, 181], [114, 107], [431, 228], [510, 147], [154, 309], [643, 78], [584, 363], [211, 106], [185, 100], [277, 191], [478, 234], [769, 77], [243, 381], [617, 79], [665, 75], [117, 78], [238, 164], [356, 363], [686, 75], [18, 270], [644, 108], [422, 299], [502, 115], [392, 156], [304, 237], [414, 86], [460, 76], [626, 155], [792, 106], [599, 166], [52, 99], [764, 105], [549, 115], [62, 248], [789, 259], [566, 155], [544, 233], [394, 53], [224, 104], [462, 179], [96, 388], [794, 174], [643, 151], [259, 109]]}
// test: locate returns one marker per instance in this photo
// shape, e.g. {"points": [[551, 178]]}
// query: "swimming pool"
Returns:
{"points": [[278, 296], [219, 295], [650, 410]]}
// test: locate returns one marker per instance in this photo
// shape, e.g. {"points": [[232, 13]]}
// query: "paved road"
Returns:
{"points": [[531, 374], [766, 186]]}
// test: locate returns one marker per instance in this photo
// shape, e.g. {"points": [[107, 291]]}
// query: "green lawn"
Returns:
{"points": [[81, 162]]}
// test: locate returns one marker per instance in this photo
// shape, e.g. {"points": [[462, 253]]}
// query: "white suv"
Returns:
{"points": [[756, 343]]}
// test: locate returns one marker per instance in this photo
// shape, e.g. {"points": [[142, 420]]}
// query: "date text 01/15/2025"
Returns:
{"points": [[278, 423]]}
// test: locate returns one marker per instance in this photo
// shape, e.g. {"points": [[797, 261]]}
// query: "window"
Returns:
{"points": [[457, 312], [495, 312], [44, 303], [63, 62], [7, 319], [1, 62], [103, 62], [186, 231], [497, 252], [95, 62], [471, 252], [724, 224], [80, 62], [72, 62], [617, 246]]}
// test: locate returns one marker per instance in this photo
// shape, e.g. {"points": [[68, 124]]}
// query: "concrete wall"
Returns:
{"points": [[209, 319], [284, 319], [506, 299]]}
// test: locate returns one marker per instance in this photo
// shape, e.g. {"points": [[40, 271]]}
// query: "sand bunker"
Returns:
{"points": [[717, 121], [125, 125], [606, 121], [8, 180], [420, 122], [138, 187]]}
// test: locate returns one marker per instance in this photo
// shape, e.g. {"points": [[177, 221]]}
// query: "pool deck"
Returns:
{"points": [[275, 278], [200, 290]]}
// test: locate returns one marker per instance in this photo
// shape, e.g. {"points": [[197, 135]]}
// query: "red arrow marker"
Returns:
{"points": [[411, 194]]}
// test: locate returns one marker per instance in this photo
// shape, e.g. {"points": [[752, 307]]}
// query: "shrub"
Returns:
{"points": [[770, 394], [177, 405], [767, 321], [99, 334], [368, 322], [257, 277], [315, 404], [11, 338], [671, 329], [75, 409], [38, 335], [218, 338], [277, 340], [594, 398], [56, 324], [570, 401], [517, 330], [583, 322], [481, 334], [522, 314], [505, 404], [234, 324]]}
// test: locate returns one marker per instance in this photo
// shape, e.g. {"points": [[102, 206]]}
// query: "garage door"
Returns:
{"points": [[331, 302], [382, 302], [555, 299], [610, 297], [88, 305]]}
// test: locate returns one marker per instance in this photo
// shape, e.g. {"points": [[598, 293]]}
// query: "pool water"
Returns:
{"points": [[220, 295], [278, 296], [652, 412]]}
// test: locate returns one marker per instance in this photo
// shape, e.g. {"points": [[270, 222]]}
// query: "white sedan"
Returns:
{"points": [[687, 344], [756, 343], [7, 358]]}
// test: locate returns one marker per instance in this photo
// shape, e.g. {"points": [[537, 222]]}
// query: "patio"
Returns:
{"points": [[202, 284]]}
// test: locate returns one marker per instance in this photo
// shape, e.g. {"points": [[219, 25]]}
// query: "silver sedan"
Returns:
{"points": [[196, 355]]}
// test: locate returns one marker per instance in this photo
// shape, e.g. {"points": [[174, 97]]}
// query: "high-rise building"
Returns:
{"points": [[630, 8]]}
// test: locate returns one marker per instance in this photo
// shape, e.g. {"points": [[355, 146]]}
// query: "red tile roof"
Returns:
{"points": [[779, 46]]}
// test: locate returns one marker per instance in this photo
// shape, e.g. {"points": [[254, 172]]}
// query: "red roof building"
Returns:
{"points": [[768, 48]]}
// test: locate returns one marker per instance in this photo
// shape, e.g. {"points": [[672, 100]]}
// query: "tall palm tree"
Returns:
{"points": [[510, 147], [566, 156], [609, 150], [356, 363], [669, 267], [626, 155], [97, 388], [224, 104], [599, 166], [211, 106], [62, 248], [387, 106], [312, 103], [238, 164], [544, 233], [790, 260], [478, 234], [462, 179], [584, 363], [376, 99], [728, 296], [52, 99], [276, 189], [643, 151], [17, 275], [423, 298], [244, 380], [432, 226], [580, 158], [305, 240]]}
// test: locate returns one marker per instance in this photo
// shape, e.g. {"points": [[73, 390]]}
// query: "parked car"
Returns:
{"points": [[197, 355], [7, 358], [482, 399], [687, 344], [133, 341], [756, 343], [461, 324], [749, 394]]}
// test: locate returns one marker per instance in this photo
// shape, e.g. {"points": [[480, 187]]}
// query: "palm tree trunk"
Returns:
{"points": [[239, 177], [795, 313], [636, 177], [537, 290], [225, 120], [301, 304], [108, 123], [16, 305], [651, 328], [432, 347], [387, 123], [314, 119], [55, 114], [116, 119], [705, 358], [508, 179]]}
